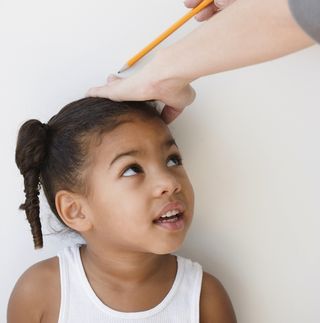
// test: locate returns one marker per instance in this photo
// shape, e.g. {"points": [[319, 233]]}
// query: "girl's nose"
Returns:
{"points": [[166, 183]]}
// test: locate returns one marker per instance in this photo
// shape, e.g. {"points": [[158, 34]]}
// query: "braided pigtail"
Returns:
{"points": [[30, 156]]}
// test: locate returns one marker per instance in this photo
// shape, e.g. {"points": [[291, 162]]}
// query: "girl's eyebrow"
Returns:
{"points": [[133, 152]]}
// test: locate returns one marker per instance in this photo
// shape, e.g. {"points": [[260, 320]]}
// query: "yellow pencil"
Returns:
{"points": [[165, 34]]}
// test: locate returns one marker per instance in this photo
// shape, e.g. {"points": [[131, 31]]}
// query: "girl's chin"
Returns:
{"points": [[167, 248]]}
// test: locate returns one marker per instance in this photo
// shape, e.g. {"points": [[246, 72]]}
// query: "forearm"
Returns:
{"points": [[248, 32]]}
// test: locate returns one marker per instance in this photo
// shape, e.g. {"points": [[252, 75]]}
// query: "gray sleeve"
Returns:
{"points": [[307, 15]]}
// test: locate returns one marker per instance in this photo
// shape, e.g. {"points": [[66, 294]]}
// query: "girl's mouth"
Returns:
{"points": [[172, 223]]}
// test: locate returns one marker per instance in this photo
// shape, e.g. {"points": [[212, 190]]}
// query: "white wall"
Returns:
{"points": [[250, 143]]}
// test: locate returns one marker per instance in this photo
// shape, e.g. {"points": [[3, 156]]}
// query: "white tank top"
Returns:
{"points": [[79, 303]]}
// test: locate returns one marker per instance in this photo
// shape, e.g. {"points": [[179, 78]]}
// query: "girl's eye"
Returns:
{"points": [[176, 158], [131, 170], [135, 168]]}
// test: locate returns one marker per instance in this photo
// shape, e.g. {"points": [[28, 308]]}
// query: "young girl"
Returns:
{"points": [[113, 173]]}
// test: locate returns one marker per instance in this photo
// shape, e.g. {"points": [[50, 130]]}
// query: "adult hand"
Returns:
{"points": [[150, 83], [154, 81], [208, 11]]}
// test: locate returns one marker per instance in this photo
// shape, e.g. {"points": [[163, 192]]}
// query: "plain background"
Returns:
{"points": [[250, 143]]}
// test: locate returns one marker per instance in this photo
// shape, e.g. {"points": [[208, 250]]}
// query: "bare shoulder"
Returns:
{"points": [[215, 304], [36, 293]]}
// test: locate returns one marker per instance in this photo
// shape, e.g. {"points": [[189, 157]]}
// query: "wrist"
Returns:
{"points": [[174, 64], [161, 82]]}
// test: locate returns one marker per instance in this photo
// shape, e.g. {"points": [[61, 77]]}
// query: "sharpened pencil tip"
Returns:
{"points": [[123, 68]]}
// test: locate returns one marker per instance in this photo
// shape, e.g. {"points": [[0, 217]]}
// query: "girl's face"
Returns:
{"points": [[135, 174]]}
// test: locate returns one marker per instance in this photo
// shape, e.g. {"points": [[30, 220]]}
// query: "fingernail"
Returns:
{"points": [[220, 3], [111, 78], [89, 93]]}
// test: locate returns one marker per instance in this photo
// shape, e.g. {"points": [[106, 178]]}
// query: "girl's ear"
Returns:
{"points": [[70, 207]]}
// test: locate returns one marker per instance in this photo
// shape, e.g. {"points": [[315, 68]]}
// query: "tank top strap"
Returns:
{"points": [[190, 288]]}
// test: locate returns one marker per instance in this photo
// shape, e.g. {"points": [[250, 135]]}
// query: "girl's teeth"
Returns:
{"points": [[170, 213], [173, 218]]}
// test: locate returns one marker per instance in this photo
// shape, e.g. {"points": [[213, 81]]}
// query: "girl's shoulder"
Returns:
{"points": [[215, 305], [36, 295]]}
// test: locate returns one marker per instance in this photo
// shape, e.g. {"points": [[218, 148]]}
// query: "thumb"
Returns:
{"points": [[169, 114]]}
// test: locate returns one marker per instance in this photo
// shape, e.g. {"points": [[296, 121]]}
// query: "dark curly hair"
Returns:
{"points": [[54, 155]]}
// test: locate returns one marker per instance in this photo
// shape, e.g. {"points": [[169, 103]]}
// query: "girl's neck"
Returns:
{"points": [[107, 267]]}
